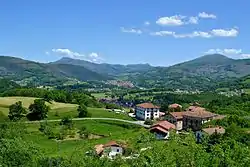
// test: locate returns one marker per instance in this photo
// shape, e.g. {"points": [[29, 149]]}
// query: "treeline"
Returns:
{"points": [[181, 150], [62, 96], [235, 105]]}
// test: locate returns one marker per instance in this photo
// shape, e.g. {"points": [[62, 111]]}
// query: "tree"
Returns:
{"points": [[48, 97], [67, 121], [148, 122], [82, 111], [38, 110], [16, 111]]}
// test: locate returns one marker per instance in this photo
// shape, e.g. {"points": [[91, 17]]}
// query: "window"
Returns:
{"points": [[117, 150]]}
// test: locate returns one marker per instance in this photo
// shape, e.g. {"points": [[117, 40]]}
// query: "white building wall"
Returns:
{"points": [[143, 114], [116, 150]]}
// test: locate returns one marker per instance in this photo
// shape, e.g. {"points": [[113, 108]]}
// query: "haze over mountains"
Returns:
{"points": [[201, 72]]}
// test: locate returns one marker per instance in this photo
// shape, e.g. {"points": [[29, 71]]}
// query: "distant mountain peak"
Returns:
{"points": [[216, 55]]}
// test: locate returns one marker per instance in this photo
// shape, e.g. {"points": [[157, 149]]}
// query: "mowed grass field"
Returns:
{"points": [[59, 110], [111, 130], [98, 95]]}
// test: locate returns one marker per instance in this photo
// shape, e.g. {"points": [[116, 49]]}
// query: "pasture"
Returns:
{"points": [[111, 130], [59, 110]]}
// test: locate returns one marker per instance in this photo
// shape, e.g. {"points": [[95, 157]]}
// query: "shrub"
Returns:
{"points": [[148, 122]]}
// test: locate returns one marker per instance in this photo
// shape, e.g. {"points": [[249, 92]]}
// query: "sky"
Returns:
{"points": [[160, 32]]}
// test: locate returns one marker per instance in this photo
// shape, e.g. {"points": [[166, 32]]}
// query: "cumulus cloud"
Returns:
{"points": [[229, 52], [179, 20], [176, 20], [202, 34], [131, 30], [92, 57], [225, 32], [205, 15]]}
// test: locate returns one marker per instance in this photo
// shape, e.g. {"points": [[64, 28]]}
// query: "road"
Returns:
{"points": [[140, 123]]}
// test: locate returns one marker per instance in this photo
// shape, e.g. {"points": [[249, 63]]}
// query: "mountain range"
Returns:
{"points": [[201, 73]]}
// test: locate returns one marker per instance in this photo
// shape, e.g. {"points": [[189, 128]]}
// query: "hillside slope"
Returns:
{"points": [[201, 73], [25, 71], [107, 69]]}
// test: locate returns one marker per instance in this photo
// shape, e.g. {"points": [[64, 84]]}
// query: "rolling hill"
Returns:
{"points": [[201, 73], [29, 72], [106, 69]]}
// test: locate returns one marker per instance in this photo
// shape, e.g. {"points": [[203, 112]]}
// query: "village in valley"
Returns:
{"points": [[162, 124]]}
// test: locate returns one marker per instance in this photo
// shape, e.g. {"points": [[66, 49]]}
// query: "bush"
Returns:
{"points": [[67, 122], [82, 111], [148, 122]]}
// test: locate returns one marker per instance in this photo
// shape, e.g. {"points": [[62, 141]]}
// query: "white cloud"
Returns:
{"points": [[193, 20], [194, 34], [146, 23], [131, 30], [246, 56], [229, 52], [213, 33], [175, 35], [47, 53], [205, 15], [176, 20], [163, 33], [92, 57], [179, 20], [225, 33]]}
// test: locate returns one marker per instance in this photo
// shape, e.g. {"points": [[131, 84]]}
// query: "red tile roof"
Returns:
{"points": [[111, 143], [196, 111], [177, 115], [162, 114], [159, 128], [147, 105], [164, 124], [174, 105]]}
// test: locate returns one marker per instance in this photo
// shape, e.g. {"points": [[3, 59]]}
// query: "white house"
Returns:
{"points": [[147, 111], [111, 149]]}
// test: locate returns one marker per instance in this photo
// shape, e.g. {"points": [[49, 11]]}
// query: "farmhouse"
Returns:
{"points": [[110, 149], [147, 111], [176, 118], [162, 129], [195, 116]]}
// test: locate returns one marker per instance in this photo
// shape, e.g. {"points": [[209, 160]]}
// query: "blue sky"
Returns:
{"points": [[160, 32]]}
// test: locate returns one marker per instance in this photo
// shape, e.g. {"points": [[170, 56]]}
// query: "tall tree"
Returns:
{"points": [[38, 110], [82, 111], [16, 111]]}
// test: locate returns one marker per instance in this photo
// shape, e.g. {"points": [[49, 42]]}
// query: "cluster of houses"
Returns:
{"points": [[191, 118], [175, 119]]}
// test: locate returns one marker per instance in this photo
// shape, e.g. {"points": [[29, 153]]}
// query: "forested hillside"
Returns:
{"points": [[29, 72], [204, 73], [107, 69]]}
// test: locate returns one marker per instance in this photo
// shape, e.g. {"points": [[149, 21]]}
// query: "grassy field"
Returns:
{"points": [[98, 95], [59, 110], [111, 131], [95, 113], [7, 101]]}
